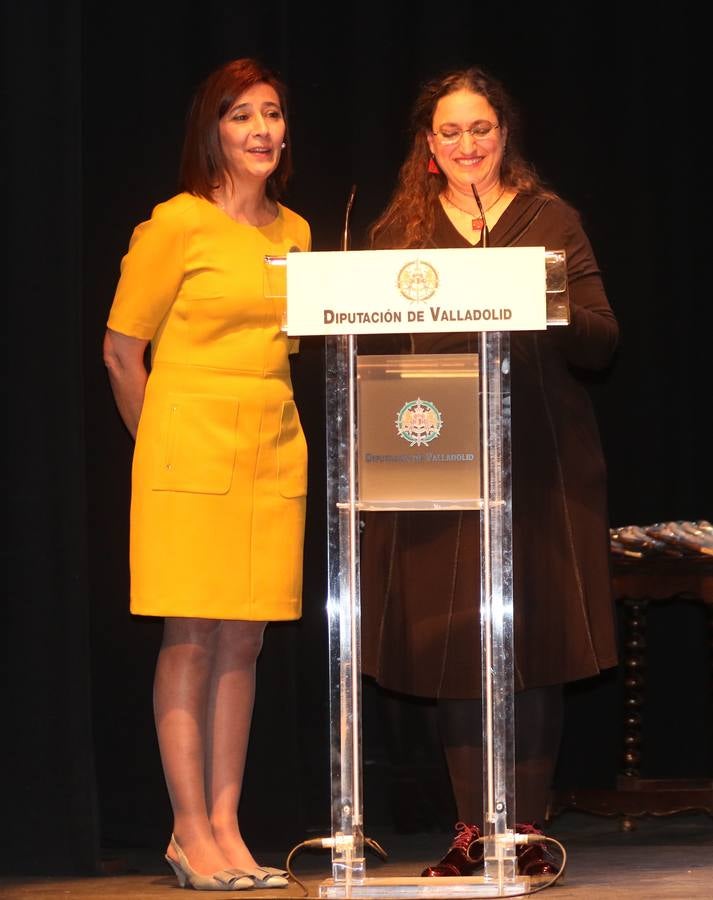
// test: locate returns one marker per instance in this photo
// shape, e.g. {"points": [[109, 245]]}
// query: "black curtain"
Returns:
{"points": [[48, 753], [96, 95]]}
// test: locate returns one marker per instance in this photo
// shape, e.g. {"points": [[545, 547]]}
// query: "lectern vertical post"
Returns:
{"points": [[496, 605], [343, 612]]}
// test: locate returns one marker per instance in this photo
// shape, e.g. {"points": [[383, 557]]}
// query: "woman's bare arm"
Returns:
{"points": [[124, 359]]}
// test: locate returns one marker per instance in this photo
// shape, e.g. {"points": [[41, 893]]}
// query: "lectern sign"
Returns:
{"points": [[418, 431], [395, 291]]}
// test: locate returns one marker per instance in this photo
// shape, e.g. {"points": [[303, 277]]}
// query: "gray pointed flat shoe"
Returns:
{"points": [[225, 880]]}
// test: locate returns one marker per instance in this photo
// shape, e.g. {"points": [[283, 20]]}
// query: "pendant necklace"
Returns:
{"points": [[476, 223]]}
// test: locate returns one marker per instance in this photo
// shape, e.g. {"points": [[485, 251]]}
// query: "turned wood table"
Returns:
{"points": [[637, 585]]}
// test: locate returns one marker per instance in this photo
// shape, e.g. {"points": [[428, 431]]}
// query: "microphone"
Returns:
{"points": [[350, 203], [485, 233]]}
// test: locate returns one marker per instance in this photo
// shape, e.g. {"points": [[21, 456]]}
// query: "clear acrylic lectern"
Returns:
{"points": [[342, 295]]}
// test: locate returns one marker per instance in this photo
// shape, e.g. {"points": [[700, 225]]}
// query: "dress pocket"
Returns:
{"points": [[291, 453], [198, 444]]}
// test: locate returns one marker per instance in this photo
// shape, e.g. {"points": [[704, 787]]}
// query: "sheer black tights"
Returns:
{"points": [[538, 729]]}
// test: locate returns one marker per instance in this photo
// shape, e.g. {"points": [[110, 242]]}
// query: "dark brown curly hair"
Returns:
{"points": [[411, 210]]}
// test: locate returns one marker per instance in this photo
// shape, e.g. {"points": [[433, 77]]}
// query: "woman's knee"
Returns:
{"points": [[242, 640]]}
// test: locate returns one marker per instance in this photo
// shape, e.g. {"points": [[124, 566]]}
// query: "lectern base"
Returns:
{"points": [[474, 886]]}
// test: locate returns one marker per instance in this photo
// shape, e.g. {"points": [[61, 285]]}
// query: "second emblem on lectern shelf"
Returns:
{"points": [[419, 422]]}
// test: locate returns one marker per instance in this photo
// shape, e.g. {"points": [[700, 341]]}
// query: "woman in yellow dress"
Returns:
{"points": [[219, 472]]}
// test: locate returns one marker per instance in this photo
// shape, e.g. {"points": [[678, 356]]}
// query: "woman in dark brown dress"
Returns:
{"points": [[420, 570]]}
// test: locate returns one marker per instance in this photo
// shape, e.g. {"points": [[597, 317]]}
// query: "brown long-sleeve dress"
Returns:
{"points": [[421, 570]]}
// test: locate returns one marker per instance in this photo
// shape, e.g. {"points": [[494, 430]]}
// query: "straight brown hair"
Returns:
{"points": [[203, 163]]}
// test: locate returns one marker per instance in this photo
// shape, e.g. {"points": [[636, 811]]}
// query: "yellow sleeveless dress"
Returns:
{"points": [[220, 465]]}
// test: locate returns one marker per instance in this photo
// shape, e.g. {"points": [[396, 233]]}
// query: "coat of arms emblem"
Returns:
{"points": [[417, 281], [419, 422]]}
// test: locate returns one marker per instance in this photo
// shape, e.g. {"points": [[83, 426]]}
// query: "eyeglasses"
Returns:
{"points": [[450, 135]]}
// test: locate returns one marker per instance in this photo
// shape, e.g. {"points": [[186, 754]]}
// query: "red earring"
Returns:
{"points": [[432, 167]]}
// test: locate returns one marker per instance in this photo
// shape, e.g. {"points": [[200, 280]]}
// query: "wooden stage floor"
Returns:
{"points": [[663, 859]]}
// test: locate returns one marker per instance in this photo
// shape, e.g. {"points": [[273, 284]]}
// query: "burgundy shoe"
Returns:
{"points": [[534, 859], [464, 856]]}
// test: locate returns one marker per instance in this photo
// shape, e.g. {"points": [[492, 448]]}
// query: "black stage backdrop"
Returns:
{"points": [[96, 95]]}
